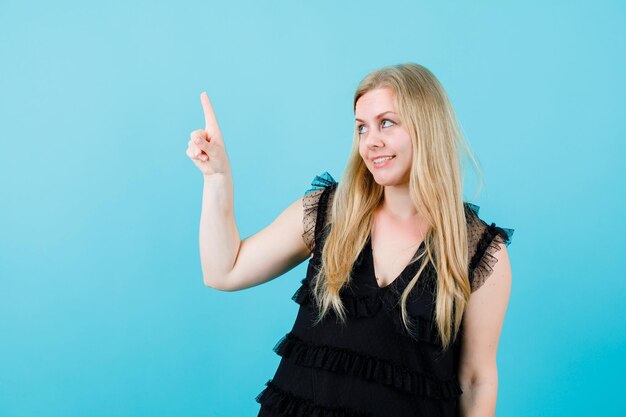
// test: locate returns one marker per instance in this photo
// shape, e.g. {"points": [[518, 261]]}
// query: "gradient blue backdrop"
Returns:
{"points": [[103, 311]]}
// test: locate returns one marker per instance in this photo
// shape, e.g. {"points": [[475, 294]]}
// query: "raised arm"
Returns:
{"points": [[268, 254], [228, 263]]}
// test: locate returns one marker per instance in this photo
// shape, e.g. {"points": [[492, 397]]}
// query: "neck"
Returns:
{"points": [[397, 202]]}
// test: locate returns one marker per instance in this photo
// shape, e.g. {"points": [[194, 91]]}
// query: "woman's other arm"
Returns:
{"points": [[482, 325]]}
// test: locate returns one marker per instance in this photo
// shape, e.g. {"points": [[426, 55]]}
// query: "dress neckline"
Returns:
{"points": [[370, 260]]}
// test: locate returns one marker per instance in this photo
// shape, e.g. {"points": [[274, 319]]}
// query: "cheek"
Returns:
{"points": [[406, 144], [362, 151]]}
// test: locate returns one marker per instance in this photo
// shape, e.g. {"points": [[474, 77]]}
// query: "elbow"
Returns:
{"points": [[485, 376], [216, 284], [208, 283], [479, 397], [481, 384]]}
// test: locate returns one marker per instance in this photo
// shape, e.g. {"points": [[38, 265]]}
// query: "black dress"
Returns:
{"points": [[371, 366]]}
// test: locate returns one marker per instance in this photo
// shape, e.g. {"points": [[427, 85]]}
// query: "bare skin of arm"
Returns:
{"points": [[229, 263], [268, 254], [482, 326]]}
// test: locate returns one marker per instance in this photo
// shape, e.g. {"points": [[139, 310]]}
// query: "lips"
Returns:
{"points": [[379, 156], [384, 163]]}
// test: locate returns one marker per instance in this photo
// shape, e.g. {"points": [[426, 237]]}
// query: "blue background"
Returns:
{"points": [[103, 311]]}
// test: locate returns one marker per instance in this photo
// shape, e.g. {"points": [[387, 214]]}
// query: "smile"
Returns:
{"points": [[381, 162]]}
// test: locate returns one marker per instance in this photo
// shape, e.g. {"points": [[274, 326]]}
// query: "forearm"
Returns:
{"points": [[479, 399], [218, 237]]}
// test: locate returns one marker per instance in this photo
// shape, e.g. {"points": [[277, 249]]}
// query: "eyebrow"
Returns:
{"points": [[378, 117]]}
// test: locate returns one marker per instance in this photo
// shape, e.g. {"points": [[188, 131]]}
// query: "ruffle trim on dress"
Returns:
{"points": [[370, 305], [302, 293], [321, 181], [311, 204], [288, 404], [346, 361], [355, 306], [483, 260], [505, 233]]}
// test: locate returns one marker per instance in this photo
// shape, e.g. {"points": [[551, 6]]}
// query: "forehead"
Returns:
{"points": [[374, 102]]}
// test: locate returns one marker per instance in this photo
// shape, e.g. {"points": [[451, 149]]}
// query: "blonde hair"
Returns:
{"points": [[435, 187]]}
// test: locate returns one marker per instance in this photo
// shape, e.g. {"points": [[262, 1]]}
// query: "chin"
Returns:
{"points": [[389, 179], [385, 179]]}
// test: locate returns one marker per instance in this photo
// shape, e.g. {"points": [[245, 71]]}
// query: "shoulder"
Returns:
{"points": [[316, 202], [322, 182], [487, 245]]}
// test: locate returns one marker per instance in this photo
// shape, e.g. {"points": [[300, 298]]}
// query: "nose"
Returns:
{"points": [[374, 139]]}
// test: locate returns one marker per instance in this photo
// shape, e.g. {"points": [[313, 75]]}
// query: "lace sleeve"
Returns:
{"points": [[484, 241], [310, 202]]}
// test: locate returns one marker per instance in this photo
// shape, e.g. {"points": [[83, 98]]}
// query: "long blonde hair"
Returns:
{"points": [[435, 187]]}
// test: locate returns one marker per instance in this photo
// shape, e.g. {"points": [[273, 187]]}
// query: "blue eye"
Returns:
{"points": [[383, 121]]}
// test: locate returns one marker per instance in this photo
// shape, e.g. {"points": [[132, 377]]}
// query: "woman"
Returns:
{"points": [[394, 318]]}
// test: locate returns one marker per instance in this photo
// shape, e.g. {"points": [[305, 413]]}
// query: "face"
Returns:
{"points": [[381, 134]]}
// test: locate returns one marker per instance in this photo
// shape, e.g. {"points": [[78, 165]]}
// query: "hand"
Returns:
{"points": [[206, 146]]}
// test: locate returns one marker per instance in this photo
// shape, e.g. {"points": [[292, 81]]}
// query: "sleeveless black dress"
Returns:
{"points": [[371, 366]]}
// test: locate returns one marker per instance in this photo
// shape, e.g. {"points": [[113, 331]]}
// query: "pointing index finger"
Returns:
{"points": [[209, 116]]}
